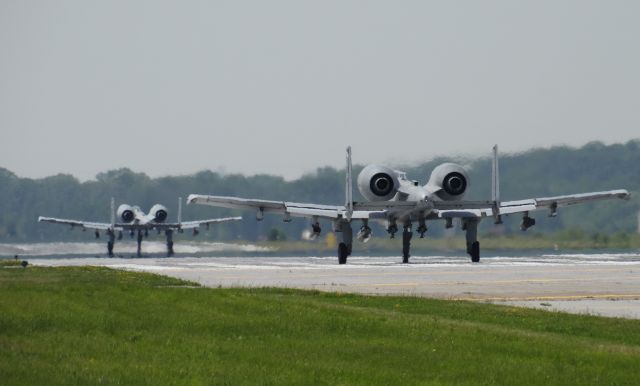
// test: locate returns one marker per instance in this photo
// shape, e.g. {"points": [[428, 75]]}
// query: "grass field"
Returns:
{"points": [[102, 326]]}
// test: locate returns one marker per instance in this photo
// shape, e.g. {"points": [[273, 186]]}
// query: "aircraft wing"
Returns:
{"points": [[430, 210], [199, 223], [279, 207], [174, 225], [391, 206], [76, 223], [533, 204]]}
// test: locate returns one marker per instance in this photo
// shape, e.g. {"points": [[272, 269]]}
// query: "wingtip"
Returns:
{"points": [[192, 198]]}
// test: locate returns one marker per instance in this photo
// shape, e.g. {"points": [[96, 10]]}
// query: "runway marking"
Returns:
{"points": [[461, 283], [387, 284], [337, 274], [554, 297]]}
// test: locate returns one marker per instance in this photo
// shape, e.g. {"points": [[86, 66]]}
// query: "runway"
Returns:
{"points": [[603, 284]]}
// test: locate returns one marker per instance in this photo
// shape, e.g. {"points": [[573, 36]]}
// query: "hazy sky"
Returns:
{"points": [[281, 87]]}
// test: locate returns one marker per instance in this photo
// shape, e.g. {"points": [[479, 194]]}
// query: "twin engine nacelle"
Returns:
{"points": [[448, 181], [159, 213], [126, 213], [378, 183]]}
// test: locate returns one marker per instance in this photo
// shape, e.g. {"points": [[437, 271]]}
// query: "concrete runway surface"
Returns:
{"points": [[600, 284]]}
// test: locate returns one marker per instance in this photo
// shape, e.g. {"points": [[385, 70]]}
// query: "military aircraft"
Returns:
{"points": [[134, 220], [395, 199]]}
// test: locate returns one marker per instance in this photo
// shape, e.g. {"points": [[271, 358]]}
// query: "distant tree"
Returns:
{"points": [[535, 173]]}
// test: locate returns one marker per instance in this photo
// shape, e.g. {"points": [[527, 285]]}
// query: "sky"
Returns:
{"points": [[282, 87]]}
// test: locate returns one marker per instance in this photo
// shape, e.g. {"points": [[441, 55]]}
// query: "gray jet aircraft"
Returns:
{"points": [[395, 199], [134, 220]]}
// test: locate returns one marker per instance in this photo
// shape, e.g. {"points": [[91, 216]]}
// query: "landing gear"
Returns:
{"points": [[169, 234], [470, 226], [406, 243], [140, 234], [474, 251], [110, 242], [345, 240], [343, 253]]}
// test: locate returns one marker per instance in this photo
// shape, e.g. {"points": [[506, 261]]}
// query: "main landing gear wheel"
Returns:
{"points": [[406, 244], [474, 251], [139, 244], [169, 234], [343, 252]]}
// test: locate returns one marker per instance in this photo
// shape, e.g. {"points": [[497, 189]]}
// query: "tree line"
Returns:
{"points": [[534, 173]]}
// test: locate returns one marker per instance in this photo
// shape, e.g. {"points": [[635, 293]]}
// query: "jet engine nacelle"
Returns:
{"points": [[159, 213], [449, 181], [125, 213], [378, 183]]}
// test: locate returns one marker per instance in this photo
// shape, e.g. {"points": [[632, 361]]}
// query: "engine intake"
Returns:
{"points": [[448, 181], [454, 184], [125, 212], [381, 184], [378, 183], [159, 213]]}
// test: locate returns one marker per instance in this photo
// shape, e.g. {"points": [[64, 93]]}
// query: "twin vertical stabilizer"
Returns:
{"points": [[495, 186], [495, 177], [113, 213], [348, 186]]}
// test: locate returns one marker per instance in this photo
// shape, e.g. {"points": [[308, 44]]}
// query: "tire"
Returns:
{"points": [[406, 246], [475, 252], [343, 252]]}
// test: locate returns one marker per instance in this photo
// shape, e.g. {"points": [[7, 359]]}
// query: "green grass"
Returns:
{"points": [[102, 326]]}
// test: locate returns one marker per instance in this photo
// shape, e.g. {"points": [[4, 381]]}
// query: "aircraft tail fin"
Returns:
{"points": [[349, 186], [179, 210], [495, 185], [113, 212]]}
